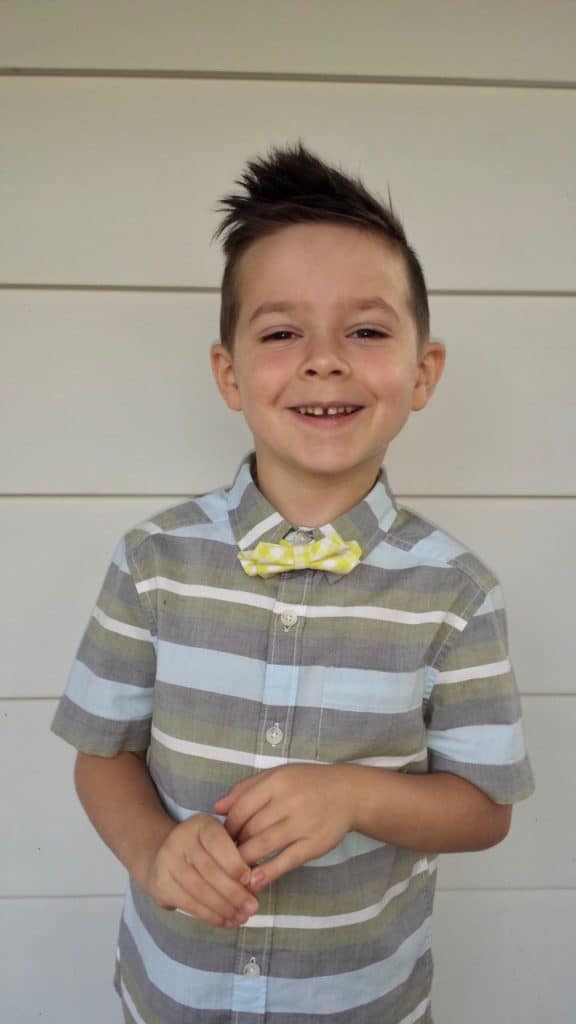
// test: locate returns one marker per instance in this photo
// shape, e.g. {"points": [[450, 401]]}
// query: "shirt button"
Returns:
{"points": [[274, 735], [288, 618], [251, 969]]}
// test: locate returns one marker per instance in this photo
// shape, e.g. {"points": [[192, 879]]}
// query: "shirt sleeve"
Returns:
{"points": [[473, 712], [107, 704]]}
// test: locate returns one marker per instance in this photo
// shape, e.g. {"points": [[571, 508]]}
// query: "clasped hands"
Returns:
{"points": [[291, 815]]}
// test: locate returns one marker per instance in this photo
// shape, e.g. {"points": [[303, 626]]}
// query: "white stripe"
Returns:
{"points": [[209, 593], [115, 626], [263, 761], [127, 999], [259, 529], [339, 920], [460, 675], [417, 1012], [323, 611]]}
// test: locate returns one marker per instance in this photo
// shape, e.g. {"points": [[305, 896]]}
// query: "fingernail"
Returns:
{"points": [[246, 877], [257, 877], [250, 906]]}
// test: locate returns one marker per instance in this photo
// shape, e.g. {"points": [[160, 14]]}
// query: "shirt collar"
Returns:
{"points": [[253, 518]]}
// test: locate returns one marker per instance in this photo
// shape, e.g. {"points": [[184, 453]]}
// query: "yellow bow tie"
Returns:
{"points": [[330, 553]]}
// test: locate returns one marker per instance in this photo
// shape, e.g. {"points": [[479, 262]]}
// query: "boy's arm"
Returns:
{"points": [[435, 813], [193, 866], [305, 810]]}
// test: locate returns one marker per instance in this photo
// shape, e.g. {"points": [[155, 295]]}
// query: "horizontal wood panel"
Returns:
{"points": [[50, 848], [50, 588], [489, 951], [504, 957], [522, 39], [58, 961], [112, 393], [116, 181]]}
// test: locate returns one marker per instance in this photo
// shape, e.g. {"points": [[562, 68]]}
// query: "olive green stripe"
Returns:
{"points": [[127, 647], [484, 688]]}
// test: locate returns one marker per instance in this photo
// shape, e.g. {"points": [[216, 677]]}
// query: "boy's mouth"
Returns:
{"points": [[326, 411]]}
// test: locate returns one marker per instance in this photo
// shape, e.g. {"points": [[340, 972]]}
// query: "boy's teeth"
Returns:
{"points": [[333, 410]]}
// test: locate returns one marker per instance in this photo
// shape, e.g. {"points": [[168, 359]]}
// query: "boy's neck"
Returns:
{"points": [[316, 499]]}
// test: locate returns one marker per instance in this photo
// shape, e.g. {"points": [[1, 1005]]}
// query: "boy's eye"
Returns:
{"points": [[371, 332], [276, 335]]}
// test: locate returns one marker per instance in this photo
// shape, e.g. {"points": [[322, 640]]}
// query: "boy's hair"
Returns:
{"points": [[294, 186]]}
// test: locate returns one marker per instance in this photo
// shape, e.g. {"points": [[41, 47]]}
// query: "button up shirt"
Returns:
{"points": [[402, 664]]}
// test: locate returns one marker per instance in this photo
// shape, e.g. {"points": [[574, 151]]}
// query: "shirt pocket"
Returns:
{"points": [[373, 716]]}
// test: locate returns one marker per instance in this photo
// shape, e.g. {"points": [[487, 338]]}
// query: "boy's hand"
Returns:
{"points": [[198, 869], [303, 811]]}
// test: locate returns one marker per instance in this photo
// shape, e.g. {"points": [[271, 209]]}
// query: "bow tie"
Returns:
{"points": [[330, 553]]}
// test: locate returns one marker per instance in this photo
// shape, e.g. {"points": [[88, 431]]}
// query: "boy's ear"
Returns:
{"points": [[430, 369], [222, 364]]}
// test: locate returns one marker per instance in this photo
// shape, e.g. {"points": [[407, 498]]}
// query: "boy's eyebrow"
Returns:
{"points": [[279, 306]]}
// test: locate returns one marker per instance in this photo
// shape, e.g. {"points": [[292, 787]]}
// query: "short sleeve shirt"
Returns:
{"points": [[401, 664]]}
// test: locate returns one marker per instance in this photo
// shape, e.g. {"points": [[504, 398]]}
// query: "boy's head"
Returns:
{"points": [[293, 186], [325, 343]]}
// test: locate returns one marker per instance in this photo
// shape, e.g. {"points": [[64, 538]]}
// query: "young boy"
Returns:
{"points": [[293, 693]]}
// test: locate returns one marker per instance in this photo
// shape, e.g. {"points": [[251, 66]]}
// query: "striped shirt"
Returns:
{"points": [[402, 665]]}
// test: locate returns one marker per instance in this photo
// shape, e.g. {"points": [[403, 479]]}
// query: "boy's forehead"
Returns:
{"points": [[276, 269]]}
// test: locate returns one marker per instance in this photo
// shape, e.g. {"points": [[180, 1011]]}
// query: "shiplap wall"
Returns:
{"points": [[121, 123]]}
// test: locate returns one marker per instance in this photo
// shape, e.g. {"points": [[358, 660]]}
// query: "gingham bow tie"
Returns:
{"points": [[330, 553]]}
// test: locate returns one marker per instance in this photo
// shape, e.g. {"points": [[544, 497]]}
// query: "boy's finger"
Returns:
{"points": [[292, 857], [185, 902], [205, 882], [225, 802], [270, 815], [274, 838], [245, 808], [222, 865]]}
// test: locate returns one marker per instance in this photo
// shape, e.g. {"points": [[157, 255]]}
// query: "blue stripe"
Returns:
{"points": [[494, 601], [106, 698], [439, 546], [234, 675], [119, 557], [217, 532], [480, 744]]}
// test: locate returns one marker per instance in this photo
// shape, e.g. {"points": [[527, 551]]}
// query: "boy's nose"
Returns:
{"points": [[323, 358]]}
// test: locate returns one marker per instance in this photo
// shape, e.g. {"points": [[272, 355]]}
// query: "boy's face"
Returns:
{"points": [[324, 352]]}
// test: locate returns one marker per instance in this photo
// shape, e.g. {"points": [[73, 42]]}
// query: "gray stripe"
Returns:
{"points": [[324, 643], [203, 561], [505, 784], [119, 665], [95, 735]]}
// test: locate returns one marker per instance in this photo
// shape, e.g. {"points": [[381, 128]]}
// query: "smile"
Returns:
{"points": [[330, 417], [331, 410]]}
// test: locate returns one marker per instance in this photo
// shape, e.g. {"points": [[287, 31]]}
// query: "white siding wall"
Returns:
{"points": [[121, 124]]}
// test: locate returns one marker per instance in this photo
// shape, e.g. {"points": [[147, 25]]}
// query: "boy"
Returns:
{"points": [[293, 693]]}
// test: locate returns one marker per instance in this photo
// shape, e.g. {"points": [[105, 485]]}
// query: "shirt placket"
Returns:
{"points": [[272, 747]]}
